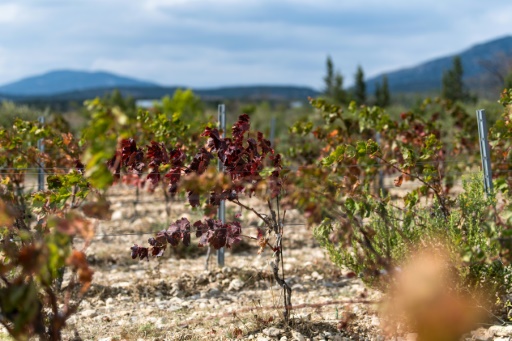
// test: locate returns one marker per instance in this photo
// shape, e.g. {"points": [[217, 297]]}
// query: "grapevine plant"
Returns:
{"points": [[37, 228], [251, 168], [109, 124], [372, 229], [358, 144], [500, 141], [358, 222]]}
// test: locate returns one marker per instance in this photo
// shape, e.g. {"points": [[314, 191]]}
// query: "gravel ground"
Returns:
{"points": [[175, 298]]}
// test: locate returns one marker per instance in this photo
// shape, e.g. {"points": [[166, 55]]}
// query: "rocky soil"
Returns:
{"points": [[175, 298]]}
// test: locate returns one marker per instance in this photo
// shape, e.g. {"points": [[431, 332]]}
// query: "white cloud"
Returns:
{"points": [[217, 42], [11, 13]]}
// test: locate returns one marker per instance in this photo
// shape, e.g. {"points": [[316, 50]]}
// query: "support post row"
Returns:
{"points": [[484, 150], [40, 167], [221, 213]]}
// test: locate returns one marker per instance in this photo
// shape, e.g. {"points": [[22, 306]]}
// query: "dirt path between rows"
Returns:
{"points": [[175, 298]]}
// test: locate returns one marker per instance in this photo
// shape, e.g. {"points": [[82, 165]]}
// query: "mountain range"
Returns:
{"points": [[72, 85], [483, 65], [62, 81]]}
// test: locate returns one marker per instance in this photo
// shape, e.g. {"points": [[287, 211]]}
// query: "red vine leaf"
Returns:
{"points": [[139, 251], [398, 181]]}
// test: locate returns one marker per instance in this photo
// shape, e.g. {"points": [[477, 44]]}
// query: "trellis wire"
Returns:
{"points": [[192, 230], [291, 168], [185, 200], [140, 234], [244, 172], [484, 150]]}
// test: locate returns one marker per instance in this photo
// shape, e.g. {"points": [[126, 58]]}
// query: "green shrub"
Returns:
{"points": [[9, 112], [376, 239]]}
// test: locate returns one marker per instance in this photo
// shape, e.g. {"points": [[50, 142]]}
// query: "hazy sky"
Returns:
{"points": [[204, 43]]}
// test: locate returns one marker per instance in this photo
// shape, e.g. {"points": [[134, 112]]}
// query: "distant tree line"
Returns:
{"points": [[334, 90], [499, 68], [453, 87]]}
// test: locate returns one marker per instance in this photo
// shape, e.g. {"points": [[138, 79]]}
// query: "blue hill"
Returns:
{"points": [[62, 81], [427, 77]]}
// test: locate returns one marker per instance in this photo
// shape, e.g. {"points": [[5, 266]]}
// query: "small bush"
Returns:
{"points": [[9, 112], [385, 238]]}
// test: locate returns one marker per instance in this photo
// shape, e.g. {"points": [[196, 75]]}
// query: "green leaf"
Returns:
{"points": [[350, 151], [361, 148]]}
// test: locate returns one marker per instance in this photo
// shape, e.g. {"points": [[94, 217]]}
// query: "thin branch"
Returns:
{"points": [[53, 301], [237, 201], [57, 321], [445, 210], [6, 281], [250, 237]]}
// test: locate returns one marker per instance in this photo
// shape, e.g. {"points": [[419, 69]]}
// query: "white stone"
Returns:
{"points": [[161, 323], [298, 287], [375, 321], [236, 284], [272, 331], [117, 215], [213, 292], [298, 336], [482, 334], [109, 301], [139, 223], [316, 275], [176, 300], [501, 330], [122, 323], [304, 316], [89, 313]]}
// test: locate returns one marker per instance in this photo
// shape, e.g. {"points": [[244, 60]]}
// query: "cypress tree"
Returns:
{"points": [[382, 96], [334, 84], [360, 87], [339, 96], [508, 81], [378, 95], [453, 86], [329, 78], [386, 97]]}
